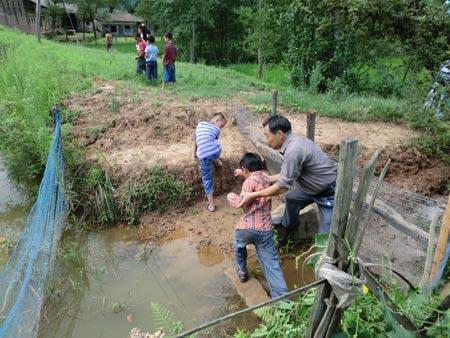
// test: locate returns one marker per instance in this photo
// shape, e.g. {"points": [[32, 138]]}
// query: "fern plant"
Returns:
{"points": [[166, 319]]}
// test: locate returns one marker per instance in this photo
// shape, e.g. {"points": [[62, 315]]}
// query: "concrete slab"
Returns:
{"points": [[251, 291]]}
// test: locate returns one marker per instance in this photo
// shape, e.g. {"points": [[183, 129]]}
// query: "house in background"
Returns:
{"points": [[21, 14], [119, 23]]}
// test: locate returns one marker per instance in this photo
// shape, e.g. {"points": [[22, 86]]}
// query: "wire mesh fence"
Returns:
{"points": [[397, 234]]}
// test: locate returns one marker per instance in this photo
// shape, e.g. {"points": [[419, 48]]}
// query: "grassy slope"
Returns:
{"points": [[35, 76]]}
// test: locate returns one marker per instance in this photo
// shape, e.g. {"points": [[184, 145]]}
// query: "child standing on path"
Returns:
{"points": [[255, 226], [170, 55], [151, 56], [207, 150], [140, 58]]}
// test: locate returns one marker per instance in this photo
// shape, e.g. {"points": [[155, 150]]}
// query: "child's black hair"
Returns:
{"points": [[219, 116], [252, 162], [169, 35], [151, 39]]}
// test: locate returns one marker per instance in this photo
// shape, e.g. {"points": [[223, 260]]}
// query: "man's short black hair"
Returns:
{"points": [[151, 39], [278, 122], [169, 35], [252, 162]]}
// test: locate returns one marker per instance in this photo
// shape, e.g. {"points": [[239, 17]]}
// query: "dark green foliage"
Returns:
{"points": [[352, 38], [159, 191]]}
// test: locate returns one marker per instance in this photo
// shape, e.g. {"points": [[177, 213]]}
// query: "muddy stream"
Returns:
{"points": [[105, 281]]}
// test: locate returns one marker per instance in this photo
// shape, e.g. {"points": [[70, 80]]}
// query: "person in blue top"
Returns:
{"points": [[151, 56]]}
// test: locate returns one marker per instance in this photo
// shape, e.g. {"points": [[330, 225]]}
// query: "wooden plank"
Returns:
{"points": [[430, 250], [311, 125], [343, 197], [353, 232], [353, 235], [442, 241]]}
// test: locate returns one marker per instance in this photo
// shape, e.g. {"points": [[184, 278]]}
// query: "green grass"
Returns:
{"points": [[274, 74]]}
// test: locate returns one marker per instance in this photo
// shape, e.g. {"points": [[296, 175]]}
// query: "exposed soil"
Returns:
{"points": [[410, 168], [126, 131]]}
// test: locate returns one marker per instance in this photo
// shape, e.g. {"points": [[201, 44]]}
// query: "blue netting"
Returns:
{"points": [[24, 276]]}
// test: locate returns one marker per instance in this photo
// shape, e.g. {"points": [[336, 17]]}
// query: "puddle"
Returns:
{"points": [[295, 274], [104, 277], [14, 209]]}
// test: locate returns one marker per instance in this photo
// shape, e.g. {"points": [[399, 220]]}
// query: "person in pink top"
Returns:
{"points": [[140, 58], [255, 226]]}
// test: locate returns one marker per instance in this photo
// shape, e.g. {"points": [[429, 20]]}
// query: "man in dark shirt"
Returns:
{"points": [[170, 55], [307, 173]]}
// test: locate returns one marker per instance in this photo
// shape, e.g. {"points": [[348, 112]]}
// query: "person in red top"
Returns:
{"points": [[140, 58], [170, 55], [255, 226]]}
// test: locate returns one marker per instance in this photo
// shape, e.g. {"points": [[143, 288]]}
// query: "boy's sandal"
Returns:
{"points": [[207, 207]]}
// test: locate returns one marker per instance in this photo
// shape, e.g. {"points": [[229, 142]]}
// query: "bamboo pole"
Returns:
{"points": [[442, 241]]}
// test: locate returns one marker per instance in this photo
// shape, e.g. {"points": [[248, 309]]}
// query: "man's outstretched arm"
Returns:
{"points": [[273, 190]]}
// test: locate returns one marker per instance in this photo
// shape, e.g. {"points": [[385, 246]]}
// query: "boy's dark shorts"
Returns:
{"points": [[169, 73]]}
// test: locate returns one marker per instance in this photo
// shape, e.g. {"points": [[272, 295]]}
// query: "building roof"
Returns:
{"points": [[120, 16], [70, 7]]}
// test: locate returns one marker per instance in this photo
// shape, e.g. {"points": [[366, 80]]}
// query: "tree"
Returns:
{"points": [[209, 29], [263, 30], [347, 37], [54, 12], [89, 9]]}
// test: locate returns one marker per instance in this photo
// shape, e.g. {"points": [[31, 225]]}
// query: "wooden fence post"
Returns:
{"points": [[274, 102], [343, 197], [311, 125], [442, 241]]}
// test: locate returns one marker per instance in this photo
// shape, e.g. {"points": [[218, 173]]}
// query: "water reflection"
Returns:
{"points": [[106, 280]]}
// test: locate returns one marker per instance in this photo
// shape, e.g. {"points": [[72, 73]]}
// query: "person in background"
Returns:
{"points": [[140, 58], [151, 56], [108, 40], [255, 226], [143, 31], [170, 55]]}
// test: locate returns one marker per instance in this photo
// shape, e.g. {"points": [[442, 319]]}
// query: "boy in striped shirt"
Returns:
{"points": [[207, 150], [255, 226]]}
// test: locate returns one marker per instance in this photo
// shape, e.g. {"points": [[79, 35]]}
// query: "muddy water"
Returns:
{"points": [[14, 209], [106, 281]]}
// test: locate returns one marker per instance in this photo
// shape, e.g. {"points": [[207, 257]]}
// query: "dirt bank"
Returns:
{"points": [[127, 132], [410, 168]]}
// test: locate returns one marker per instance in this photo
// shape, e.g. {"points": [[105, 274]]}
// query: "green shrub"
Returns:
{"points": [[159, 191]]}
